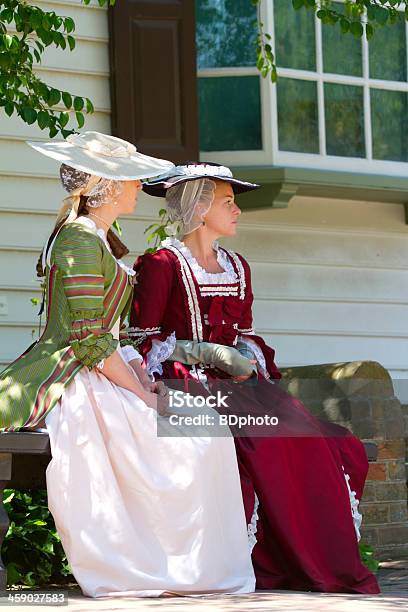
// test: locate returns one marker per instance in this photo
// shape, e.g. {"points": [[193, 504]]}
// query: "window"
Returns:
{"points": [[340, 102], [229, 85]]}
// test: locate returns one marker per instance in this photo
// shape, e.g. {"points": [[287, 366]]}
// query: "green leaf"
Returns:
{"points": [[89, 106], [46, 37], [69, 25], [260, 62], [80, 119], [71, 42], [381, 15], [29, 115], [274, 74], [117, 227], [54, 97], [371, 12], [78, 103], [8, 41], [67, 99], [13, 574], [7, 15], [369, 31], [9, 108], [46, 21], [297, 4], [63, 119], [43, 121], [344, 25], [8, 497], [356, 28], [149, 227]]}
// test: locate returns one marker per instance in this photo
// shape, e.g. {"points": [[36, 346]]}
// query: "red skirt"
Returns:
{"points": [[306, 538]]}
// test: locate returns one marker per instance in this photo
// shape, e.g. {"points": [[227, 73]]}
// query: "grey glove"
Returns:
{"points": [[226, 358]]}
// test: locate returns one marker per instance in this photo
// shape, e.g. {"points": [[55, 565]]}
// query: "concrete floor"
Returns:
{"points": [[393, 578]]}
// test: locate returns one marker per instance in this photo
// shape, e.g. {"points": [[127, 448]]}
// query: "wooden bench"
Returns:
{"points": [[24, 457]]}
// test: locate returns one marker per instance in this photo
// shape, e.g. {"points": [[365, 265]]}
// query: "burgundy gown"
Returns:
{"points": [[306, 478]]}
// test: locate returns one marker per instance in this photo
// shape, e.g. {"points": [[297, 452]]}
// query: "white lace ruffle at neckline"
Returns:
{"points": [[202, 276], [101, 233]]}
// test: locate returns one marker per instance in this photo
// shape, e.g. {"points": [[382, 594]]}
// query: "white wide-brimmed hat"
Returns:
{"points": [[103, 155]]}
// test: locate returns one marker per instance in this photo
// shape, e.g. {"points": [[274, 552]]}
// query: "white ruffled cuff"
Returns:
{"points": [[252, 345], [160, 351], [129, 353]]}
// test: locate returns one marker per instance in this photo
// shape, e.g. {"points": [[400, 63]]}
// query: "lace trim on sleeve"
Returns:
{"points": [[139, 334], [258, 355], [159, 352]]}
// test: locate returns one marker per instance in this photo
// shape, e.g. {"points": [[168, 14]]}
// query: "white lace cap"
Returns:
{"points": [[104, 191], [188, 203], [78, 183]]}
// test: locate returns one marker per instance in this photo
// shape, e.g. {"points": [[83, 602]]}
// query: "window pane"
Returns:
{"points": [[344, 120], [230, 114], [389, 124], [388, 53], [341, 52], [297, 116], [226, 33], [294, 36]]}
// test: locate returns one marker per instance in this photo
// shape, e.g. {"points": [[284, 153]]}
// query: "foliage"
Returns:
{"points": [[367, 557], [156, 232], [360, 17], [26, 31], [32, 551]]}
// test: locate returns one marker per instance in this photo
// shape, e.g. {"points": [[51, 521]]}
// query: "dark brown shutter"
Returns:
{"points": [[153, 76]]}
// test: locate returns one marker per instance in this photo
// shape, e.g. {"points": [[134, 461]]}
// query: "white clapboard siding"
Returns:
{"points": [[330, 279], [80, 82]]}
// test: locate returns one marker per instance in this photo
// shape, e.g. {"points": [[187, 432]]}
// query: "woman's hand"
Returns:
{"points": [[244, 377], [153, 386], [160, 403]]}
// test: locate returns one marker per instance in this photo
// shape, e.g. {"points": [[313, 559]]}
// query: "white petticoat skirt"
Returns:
{"points": [[140, 514]]}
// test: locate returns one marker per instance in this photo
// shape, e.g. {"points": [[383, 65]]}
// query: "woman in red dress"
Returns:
{"points": [[301, 483]]}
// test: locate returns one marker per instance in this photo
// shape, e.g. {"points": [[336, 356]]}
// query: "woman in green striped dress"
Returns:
{"points": [[137, 514]]}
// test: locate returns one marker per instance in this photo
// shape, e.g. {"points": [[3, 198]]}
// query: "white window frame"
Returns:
{"points": [[270, 154]]}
